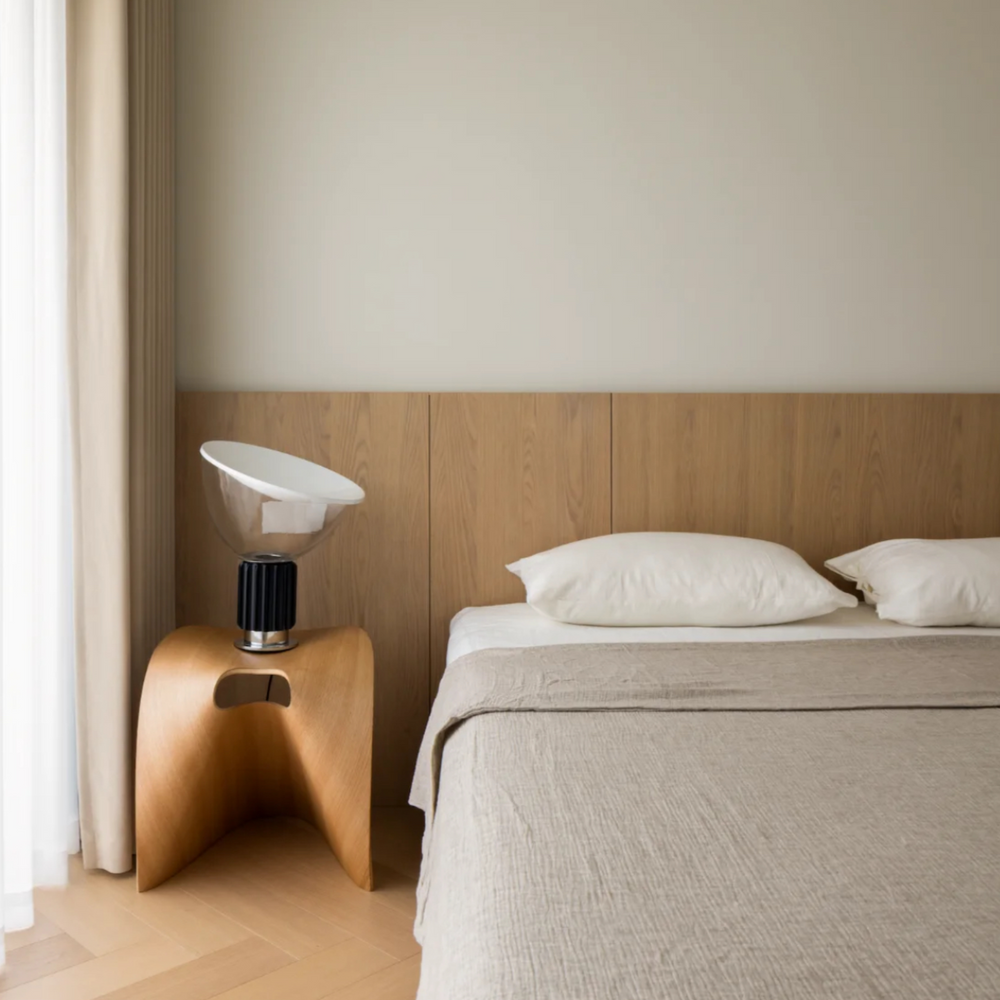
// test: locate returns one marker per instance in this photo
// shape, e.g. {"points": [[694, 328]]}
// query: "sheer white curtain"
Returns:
{"points": [[37, 777]]}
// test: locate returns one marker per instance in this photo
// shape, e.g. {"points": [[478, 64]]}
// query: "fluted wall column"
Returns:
{"points": [[151, 327]]}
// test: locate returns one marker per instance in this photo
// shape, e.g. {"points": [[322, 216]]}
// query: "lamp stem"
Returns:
{"points": [[265, 605]]}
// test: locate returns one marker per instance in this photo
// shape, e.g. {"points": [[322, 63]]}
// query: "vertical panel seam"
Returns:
{"points": [[430, 559], [611, 461]]}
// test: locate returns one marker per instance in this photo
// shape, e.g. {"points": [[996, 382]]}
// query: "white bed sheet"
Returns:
{"points": [[508, 626]]}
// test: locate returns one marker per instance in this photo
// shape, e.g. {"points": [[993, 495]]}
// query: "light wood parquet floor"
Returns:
{"points": [[265, 914]]}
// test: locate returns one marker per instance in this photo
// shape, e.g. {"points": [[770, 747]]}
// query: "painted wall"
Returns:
{"points": [[589, 194]]}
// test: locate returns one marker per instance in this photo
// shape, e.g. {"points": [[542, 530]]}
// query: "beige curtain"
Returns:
{"points": [[119, 69]]}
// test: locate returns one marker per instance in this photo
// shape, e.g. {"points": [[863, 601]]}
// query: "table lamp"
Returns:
{"points": [[270, 508]]}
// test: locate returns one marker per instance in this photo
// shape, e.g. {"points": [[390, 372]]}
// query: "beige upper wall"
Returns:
{"points": [[589, 194]]}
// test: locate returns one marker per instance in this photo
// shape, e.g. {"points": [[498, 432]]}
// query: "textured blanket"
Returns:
{"points": [[705, 822]]}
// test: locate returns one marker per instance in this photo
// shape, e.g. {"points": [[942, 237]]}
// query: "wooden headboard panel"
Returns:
{"points": [[460, 484], [823, 474], [511, 474]]}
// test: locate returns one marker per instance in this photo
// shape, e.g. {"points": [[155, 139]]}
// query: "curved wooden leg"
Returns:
{"points": [[203, 770]]}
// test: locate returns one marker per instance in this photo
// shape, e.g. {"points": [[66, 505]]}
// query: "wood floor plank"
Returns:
{"points": [[332, 897], [396, 838], [313, 978], [296, 839], [262, 912], [41, 929], [320, 935], [41, 958], [397, 890], [209, 975], [290, 860], [98, 924], [174, 913], [106, 973], [398, 982]]}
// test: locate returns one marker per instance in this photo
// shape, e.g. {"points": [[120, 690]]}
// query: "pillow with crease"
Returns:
{"points": [[924, 582], [674, 578]]}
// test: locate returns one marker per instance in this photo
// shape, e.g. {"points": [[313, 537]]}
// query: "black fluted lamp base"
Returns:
{"points": [[265, 606]]}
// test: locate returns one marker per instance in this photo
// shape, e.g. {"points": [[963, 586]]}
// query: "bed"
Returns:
{"points": [[798, 811]]}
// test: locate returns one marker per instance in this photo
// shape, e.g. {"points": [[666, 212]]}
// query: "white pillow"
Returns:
{"points": [[916, 581], [666, 578]]}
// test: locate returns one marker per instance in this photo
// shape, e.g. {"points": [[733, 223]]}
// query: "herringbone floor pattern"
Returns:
{"points": [[266, 914]]}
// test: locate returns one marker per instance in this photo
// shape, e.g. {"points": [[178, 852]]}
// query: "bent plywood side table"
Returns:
{"points": [[202, 770]]}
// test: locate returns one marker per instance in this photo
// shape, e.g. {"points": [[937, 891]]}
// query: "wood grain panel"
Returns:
{"points": [[511, 474], [821, 473], [373, 572]]}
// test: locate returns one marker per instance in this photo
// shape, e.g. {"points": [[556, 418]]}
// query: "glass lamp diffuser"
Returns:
{"points": [[270, 508]]}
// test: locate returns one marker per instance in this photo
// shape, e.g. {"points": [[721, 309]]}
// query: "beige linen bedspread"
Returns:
{"points": [[788, 821]]}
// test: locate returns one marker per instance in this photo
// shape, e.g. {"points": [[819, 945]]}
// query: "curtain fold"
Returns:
{"points": [[120, 76], [37, 784]]}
